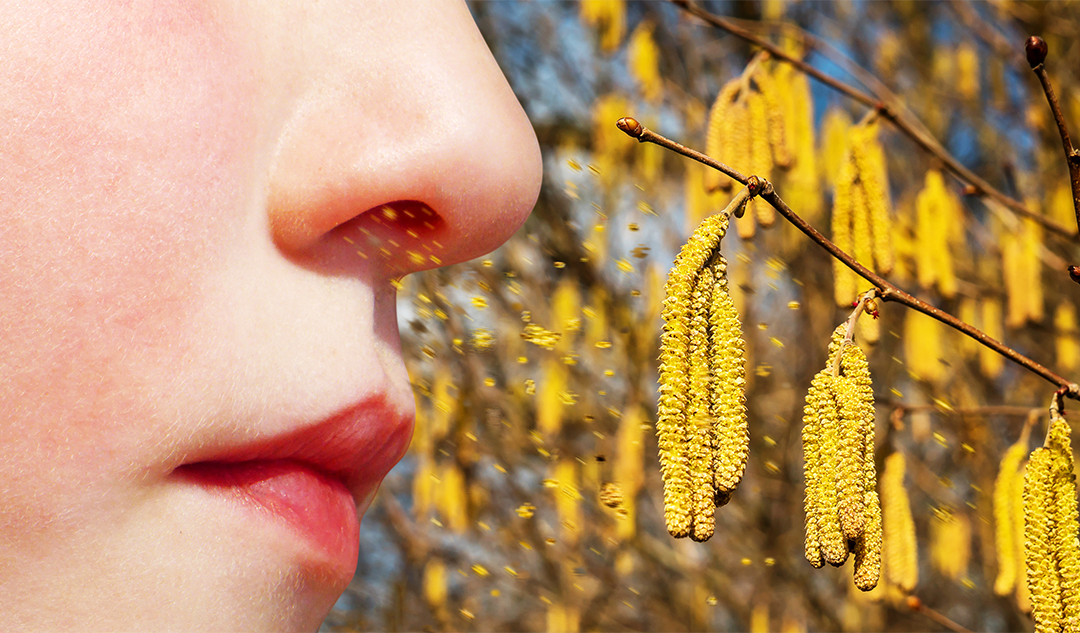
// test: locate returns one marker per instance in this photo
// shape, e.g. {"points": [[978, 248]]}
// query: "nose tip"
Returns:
{"points": [[430, 123]]}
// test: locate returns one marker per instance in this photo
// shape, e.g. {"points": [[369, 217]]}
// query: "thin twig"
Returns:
{"points": [[886, 290], [888, 112], [863, 303], [1036, 54], [916, 605]]}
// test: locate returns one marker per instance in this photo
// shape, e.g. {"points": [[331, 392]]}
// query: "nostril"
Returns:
{"points": [[398, 235], [410, 216]]}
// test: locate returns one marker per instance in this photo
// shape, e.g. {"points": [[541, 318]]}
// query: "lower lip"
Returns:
{"points": [[320, 508]]}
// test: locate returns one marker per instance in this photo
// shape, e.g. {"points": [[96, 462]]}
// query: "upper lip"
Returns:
{"points": [[357, 445]]}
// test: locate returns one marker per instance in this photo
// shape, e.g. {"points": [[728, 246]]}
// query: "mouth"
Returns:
{"points": [[316, 480]]}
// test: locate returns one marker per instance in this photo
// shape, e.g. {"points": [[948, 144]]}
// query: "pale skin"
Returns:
{"points": [[177, 180]]}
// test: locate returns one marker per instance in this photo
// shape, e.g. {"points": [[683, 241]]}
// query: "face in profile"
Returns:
{"points": [[203, 204]]}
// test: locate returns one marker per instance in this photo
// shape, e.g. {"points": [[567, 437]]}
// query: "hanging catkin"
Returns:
{"points": [[701, 423], [862, 219], [1052, 549], [1008, 543], [720, 135], [843, 514], [900, 549], [939, 230]]}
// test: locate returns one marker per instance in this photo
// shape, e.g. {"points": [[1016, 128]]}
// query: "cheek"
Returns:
{"points": [[124, 152]]}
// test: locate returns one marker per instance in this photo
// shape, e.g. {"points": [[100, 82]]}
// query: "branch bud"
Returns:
{"points": [[1035, 47], [630, 126]]}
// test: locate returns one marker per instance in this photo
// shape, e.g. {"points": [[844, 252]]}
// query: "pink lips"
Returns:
{"points": [[310, 477], [319, 507]]}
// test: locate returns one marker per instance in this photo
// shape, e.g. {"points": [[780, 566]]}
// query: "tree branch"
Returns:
{"points": [[886, 111], [885, 290], [1036, 50]]}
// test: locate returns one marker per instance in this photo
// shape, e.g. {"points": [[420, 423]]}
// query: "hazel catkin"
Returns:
{"points": [[868, 549], [1007, 542], [720, 133], [728, 405], [1052, 549], [861, 221], [843, 514], [701, 422], [900, 548]]}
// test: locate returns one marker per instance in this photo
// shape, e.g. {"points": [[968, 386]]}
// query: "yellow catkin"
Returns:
{"points": [[1007, 541], [739, 151], [435, 582], [799, 112], [967, 71], [778, 133], [676, 425], [720, 134], [1033, 269], [843, 209], [990, 362], [643, 60], [761, 162], [549, 398], [759, 618], [868, 549], [628, 470], [922, 347], [1022, 270], [608, 17], [1066, 535], [838, 453], [452, 500], [901, 555], [950, 544], [851, 479], [1068, 349], [700, 433], [834, 134], [1023, 593], [869, 158], [813, 443], [1061, 205], [728, 402], [833, 544], [1043, 580], [562, 618], [566, 314], [855, 366], [939, 230], [444, 403], [862, 242]]}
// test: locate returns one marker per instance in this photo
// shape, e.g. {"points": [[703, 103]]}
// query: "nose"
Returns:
{"points": [[403, 142]]}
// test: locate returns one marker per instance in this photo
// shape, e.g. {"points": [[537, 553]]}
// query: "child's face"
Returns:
{"points": [[199, 367]]}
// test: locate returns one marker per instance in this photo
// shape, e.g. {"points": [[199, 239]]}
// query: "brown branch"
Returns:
{"points": [[916, 605], [886, 290], [886, 111], [1036, 50]]}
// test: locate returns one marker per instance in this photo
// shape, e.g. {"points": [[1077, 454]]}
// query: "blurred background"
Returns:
{"points": [[535, 368]]}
